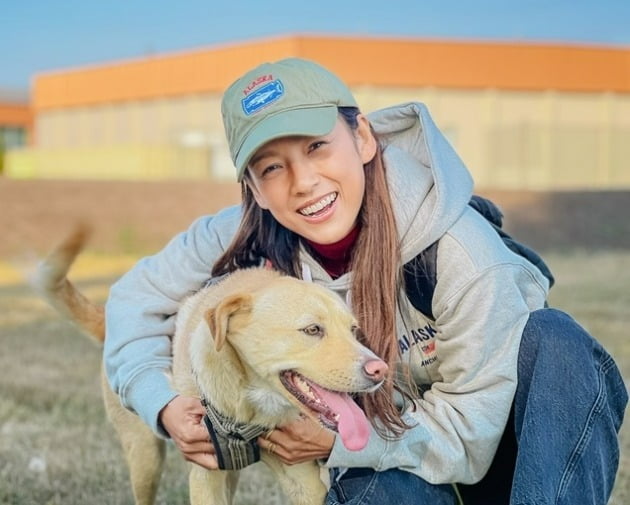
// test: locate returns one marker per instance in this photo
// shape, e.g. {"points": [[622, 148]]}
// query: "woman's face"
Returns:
{"points": [[314, 185]]}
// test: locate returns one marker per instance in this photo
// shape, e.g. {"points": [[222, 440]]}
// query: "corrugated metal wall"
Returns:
{"points": [[533, 140], [551, 131]]}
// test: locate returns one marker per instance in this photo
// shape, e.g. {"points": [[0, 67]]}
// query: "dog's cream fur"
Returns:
{"points": [[237, 338]]}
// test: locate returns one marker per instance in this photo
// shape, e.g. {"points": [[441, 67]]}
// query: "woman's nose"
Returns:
{"points": [[305, 177]]}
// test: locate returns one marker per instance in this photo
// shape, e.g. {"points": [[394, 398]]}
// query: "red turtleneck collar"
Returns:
{"points": [[335, 258]]}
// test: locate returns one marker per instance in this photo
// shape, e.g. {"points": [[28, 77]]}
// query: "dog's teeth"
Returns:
{"points": [[304, 387]]}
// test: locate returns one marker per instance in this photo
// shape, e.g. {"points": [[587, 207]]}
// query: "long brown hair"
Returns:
{"points": [[375, 265]]}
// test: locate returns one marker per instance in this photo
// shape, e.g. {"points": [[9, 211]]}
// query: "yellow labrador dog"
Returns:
{"points": [[259, 349]]}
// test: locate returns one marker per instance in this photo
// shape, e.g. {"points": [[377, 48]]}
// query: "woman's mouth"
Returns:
{"points": [[319, 207]]}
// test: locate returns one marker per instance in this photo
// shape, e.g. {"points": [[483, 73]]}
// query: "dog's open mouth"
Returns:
{"points": [[336, 411]]}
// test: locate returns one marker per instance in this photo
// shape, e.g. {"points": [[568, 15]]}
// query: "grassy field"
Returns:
{"points": [[56, 447]]}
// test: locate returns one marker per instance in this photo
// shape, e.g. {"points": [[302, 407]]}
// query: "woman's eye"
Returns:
{"points": [[269, 169], [316, 145], [314, 330]]}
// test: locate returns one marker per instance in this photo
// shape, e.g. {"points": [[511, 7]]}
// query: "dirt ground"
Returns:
{"points": [[136, 217], [127, 217]]}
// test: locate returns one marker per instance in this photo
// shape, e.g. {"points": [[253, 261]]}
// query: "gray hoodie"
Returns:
{"points": [[464, 361]]}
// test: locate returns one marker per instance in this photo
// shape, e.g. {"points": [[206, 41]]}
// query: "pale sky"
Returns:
{"points": [[42, 35]]}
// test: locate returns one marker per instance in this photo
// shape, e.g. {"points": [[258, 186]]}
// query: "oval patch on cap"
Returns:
{"points": [[262, 97]]}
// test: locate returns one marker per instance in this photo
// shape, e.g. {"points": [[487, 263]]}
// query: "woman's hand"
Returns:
{"points": [[182, 418], [299, 441]]}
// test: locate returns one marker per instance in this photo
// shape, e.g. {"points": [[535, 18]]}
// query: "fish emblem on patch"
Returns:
{"points": [[262, 97]]}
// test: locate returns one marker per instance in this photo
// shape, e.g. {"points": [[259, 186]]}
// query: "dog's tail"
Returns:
{"points": [[51, 282]]}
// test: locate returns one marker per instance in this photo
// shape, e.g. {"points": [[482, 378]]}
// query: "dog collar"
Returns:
{"points": [[235, 443]]}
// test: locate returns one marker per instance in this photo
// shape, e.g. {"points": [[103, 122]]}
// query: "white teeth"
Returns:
{"points": [[316, 207], [303, 386]]}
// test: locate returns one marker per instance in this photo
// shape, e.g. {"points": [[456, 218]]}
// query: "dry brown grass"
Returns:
{"points": [[56, 447]]}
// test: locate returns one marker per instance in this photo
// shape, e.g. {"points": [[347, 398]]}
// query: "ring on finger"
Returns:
{"points": [[272, 448], [268, 434]]}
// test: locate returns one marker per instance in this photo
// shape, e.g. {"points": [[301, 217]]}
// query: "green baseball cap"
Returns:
{"points": [[289, 97]]}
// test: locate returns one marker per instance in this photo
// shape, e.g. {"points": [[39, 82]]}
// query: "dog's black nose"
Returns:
{"points": [[375, 369]]}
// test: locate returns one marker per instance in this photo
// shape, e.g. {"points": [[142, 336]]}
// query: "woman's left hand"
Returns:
{"points": [[299, 441]]}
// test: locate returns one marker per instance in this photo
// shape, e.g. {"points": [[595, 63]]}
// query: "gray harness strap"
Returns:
{"points": [[235, 443]]}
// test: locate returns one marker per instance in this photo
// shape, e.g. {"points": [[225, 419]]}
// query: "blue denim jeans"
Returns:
{"points": [[560, 446], [364, 486]]}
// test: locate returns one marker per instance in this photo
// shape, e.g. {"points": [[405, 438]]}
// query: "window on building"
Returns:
{"points": [[12, 136]]}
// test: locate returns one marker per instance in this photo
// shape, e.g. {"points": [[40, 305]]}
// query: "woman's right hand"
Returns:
{"points": [[182, 418]]}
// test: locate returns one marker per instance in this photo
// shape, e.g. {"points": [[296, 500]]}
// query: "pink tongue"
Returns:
{"points": [[353, 426]]}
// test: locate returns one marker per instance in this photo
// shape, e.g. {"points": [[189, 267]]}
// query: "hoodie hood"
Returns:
{"points": [[429, 184]]}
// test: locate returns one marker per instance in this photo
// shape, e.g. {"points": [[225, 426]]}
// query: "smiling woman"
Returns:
{"points": [[345, 201], [314, 185]]}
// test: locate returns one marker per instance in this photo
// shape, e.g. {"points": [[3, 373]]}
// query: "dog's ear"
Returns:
{"points": [[218, 318]]}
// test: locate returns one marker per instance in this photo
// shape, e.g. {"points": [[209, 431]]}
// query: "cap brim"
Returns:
{"points": [[310, 122]]}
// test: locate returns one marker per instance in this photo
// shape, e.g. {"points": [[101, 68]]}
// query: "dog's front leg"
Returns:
{"points": [[300, 483], [211, 487]]}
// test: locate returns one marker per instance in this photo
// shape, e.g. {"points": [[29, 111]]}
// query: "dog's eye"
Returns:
{"points": [[358, 334], [313, 330]]}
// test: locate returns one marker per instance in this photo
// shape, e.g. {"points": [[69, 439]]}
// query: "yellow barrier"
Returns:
{"points": [[88, 266], [128, 162]]}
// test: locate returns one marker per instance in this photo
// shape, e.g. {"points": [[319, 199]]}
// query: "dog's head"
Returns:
{"points": [[297, 342]]}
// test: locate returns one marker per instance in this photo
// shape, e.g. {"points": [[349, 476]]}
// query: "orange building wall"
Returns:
{"points": [[17, 115], [473, 65], [12, 114], [185, 73], [380, 62]]}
